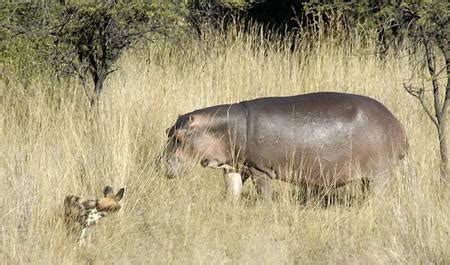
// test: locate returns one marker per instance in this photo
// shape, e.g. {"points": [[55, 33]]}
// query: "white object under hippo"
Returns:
{"points": [[318, 140]]}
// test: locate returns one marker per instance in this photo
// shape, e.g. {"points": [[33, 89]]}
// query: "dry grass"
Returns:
{"points": [[52, 146]]}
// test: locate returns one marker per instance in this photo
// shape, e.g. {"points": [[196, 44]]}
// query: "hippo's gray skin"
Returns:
{"points": [[318, 140]]}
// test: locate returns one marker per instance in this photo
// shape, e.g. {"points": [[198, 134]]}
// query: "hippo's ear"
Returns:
{"points": [[197, 121], [190, 119]]}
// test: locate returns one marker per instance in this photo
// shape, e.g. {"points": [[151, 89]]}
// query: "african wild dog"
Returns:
{"points": [[82, 215]]}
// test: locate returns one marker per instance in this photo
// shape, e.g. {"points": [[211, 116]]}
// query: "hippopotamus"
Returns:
{"points": [[321, 140]]}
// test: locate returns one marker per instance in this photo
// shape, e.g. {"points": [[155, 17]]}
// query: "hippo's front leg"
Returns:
{"points": [[263, 187], [262, 184], [233, 185]]}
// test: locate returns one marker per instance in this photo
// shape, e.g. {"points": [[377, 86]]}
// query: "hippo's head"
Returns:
{"points": [[193, 138]]}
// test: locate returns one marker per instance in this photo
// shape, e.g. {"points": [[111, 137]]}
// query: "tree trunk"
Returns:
{"points": [[444, 116], [444, 155], [440, 108], [99, 79]]}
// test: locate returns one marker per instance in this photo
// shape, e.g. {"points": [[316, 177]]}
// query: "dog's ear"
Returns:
{"points": [[119, 194], [107, 190]]}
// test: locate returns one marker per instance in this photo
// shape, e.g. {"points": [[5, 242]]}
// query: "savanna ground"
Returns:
{"points": [[53, 145]]}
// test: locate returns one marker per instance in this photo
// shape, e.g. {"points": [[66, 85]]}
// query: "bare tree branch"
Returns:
{"points": [[418, 93]]}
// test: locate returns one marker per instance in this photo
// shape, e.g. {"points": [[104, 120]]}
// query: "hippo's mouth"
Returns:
{"points": [[214, 164]]}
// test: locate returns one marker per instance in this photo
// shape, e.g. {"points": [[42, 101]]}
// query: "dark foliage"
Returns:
{"points": [[86, 40]]}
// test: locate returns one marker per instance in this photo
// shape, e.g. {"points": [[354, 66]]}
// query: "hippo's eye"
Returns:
{"points": [[176, 140]]}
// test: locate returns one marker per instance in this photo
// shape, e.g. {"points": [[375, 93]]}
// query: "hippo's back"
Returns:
{"points": [[321, 137]]}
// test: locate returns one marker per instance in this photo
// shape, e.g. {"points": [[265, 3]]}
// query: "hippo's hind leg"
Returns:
{"points": [[307, 193], [376, 185]]}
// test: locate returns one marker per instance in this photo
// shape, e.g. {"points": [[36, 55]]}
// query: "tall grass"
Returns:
{"points": [[54, 146]]}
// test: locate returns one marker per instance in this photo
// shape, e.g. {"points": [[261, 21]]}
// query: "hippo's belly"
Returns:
{"points": [[317, 144]]}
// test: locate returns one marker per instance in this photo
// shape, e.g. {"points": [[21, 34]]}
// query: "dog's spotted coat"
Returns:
{"points": [[86, 214]]}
